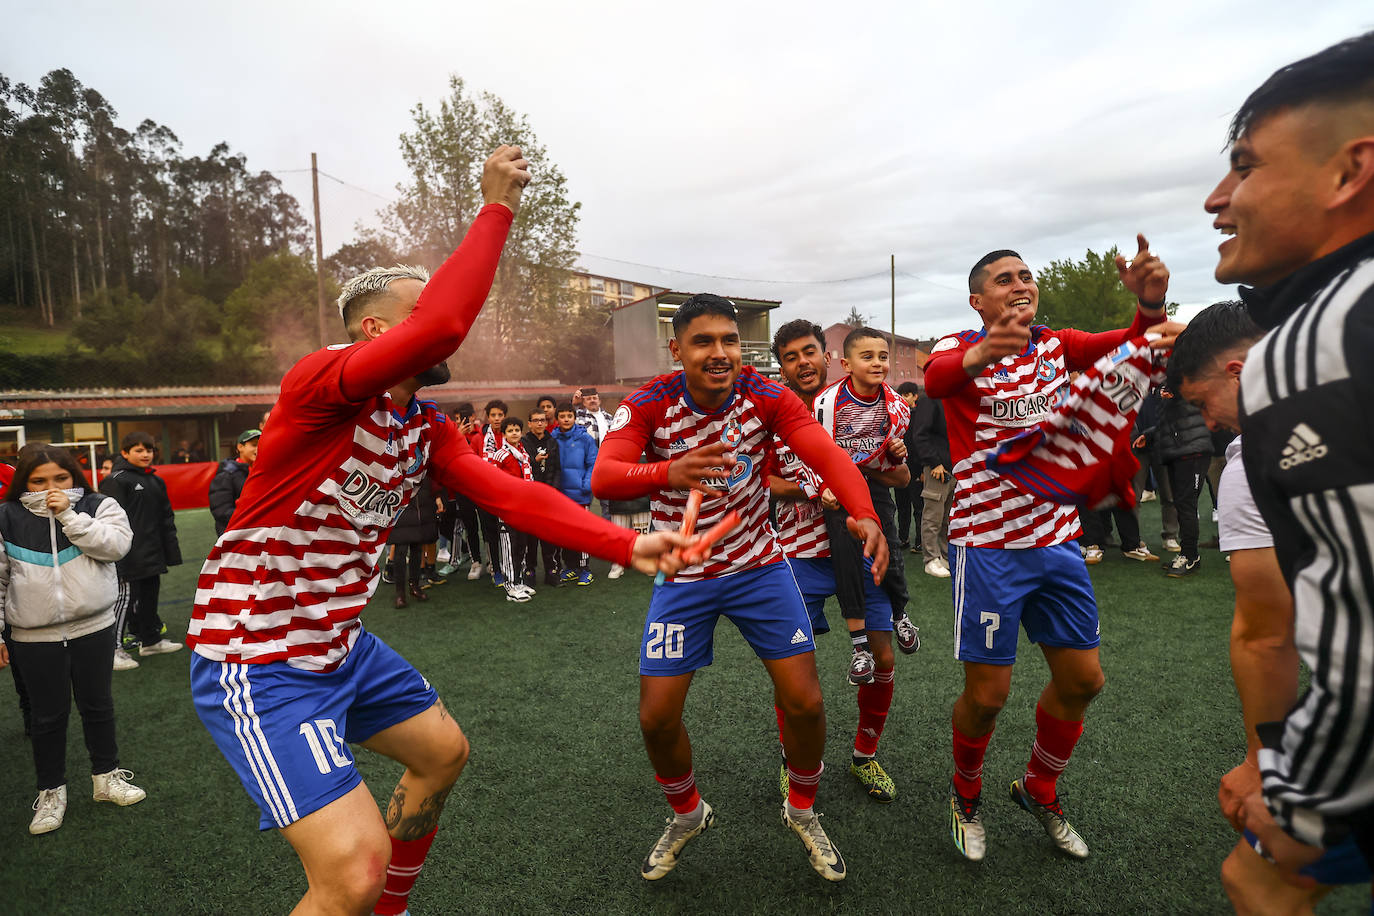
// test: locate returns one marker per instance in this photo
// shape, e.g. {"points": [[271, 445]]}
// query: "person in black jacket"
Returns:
{"points": [[937, 491], [1183, 444], [906, 496], [227, 483], [543, 451], [136, 487], [416, 526]]}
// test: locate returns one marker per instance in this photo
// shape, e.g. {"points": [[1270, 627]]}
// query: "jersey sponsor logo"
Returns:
{"points": [[1121, 391], [360, 495], [738, 474], [1025, 410], [678, 445], [1002, 375], [949, 343], [799, 637], [622, 416], [732, 435], [1304, 445]]}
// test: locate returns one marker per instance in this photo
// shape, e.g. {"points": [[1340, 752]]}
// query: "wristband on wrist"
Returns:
{"points": [[1153, 306]]}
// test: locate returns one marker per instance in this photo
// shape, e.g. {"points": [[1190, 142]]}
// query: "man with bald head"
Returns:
{"points": [[1297, 205], [283, 673]]}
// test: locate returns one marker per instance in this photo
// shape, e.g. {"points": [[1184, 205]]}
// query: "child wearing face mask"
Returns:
{"points": [[58, 546]]}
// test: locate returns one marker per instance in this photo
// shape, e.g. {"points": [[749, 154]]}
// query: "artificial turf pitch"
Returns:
{"points": [[558, 804]]}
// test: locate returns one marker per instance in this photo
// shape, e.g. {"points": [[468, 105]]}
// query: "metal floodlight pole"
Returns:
{"points": [[319, 248]]}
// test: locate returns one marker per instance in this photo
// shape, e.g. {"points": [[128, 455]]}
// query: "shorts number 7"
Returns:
{"points": [[993, 620]]}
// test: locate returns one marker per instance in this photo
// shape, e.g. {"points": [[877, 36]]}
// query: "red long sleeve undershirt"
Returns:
{"points": [[442, 317]]}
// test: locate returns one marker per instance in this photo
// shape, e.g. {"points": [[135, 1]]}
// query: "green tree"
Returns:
{"points": [[524, 325], [854, 319], [1087, 294], [270, 321]]}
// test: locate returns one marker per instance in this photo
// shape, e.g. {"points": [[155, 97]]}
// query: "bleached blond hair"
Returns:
{"points": [[377, 280]]}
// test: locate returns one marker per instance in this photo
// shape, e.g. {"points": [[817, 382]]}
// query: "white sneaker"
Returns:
{"points": [[1148, 496], [616, 571], [123, 661], [475, 571], [937, 569], [50, 807], [1214, 515], [1092, 555], [114, 786], [161, 647], [1172, 545], [518, 593], [825, 858], [442, 556]]}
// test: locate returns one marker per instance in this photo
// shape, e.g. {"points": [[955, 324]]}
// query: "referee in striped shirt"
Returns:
{"points": [[1297, 207]]}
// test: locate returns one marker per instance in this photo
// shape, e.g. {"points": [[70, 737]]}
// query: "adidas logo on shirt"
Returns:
{"points": [[1304, 445], [798, 638]]}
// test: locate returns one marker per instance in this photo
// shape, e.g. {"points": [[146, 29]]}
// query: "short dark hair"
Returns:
{"points": [[35, 455], [858, 334], [909, 388], [794, 330], [1215, 330], [508, 422], [495, 404], [547, 397], [137, 437], [564, 407], [703, 304], [979, 274], [464, 409], [1343, 72], [537, 412]]}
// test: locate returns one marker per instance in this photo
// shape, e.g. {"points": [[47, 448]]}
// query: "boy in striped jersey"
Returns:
{"points": [[283, 673], [711, 427], [1014, 564], [1298, 208]]}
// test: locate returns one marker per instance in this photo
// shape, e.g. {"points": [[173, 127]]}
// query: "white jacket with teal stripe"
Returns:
{"points": [[57, 574]]}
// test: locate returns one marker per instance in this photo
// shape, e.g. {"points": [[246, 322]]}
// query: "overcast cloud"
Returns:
{"points": [[784, 141]]}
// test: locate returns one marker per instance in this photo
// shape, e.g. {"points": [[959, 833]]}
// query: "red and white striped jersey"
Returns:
{"points": [[801, 523], [864, 429], [1001, 401], [513, 459]]}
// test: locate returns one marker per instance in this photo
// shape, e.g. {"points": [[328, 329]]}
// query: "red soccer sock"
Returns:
{"points": [[802, 786], [875, 700], [681, 792], [968, 763], [407, 858], [778, 709], [1054, 741]]}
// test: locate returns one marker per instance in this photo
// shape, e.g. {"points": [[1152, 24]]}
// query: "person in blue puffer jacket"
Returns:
{"points": [[576, 457]]}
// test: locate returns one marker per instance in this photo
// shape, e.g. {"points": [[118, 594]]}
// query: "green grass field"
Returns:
{"points": [[558, 805]]}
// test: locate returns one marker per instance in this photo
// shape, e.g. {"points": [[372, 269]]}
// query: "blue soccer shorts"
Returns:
{"points": [[1046, 590], [816, 578], [763, 603], [286, 731], [1343, 864]]}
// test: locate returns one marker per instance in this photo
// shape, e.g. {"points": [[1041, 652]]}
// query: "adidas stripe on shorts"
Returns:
{"points": [[763, 603]]}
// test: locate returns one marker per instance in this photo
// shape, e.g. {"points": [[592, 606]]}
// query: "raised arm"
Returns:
{"points": [[453, 296]]}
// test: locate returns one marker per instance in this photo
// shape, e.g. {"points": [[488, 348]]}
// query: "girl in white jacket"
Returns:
{"points": [[58, 546]]}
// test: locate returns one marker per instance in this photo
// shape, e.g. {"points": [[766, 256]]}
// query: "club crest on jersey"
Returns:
{"points": [[622, 416], [1046, 371], [732, 435]]}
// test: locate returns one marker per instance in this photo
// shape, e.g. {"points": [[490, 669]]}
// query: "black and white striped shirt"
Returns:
{"points": [[1307, 396]]}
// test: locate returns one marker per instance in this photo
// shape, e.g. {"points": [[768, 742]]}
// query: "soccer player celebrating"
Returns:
{"points": [[1297, 207], [799, 347], [283, 674], [1011, 553], [710, 427]]}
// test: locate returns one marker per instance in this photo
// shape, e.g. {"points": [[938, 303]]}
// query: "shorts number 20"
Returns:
{"points": [[665, 641]]}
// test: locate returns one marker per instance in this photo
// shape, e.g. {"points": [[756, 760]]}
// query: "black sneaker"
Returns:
{"points": [[1181, 566], [433, 576]]}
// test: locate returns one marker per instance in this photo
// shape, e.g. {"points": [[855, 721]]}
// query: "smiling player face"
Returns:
{"points": [[867, 363], [709, 350], [1009, 285], [804, 364]]}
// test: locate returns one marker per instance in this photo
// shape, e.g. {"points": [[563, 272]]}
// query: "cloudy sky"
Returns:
{"points": [[750, 149]]}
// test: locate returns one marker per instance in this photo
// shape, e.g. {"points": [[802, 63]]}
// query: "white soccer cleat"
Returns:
{"points": [[966, 825], [161, 647], [114, 786], [825, 858], [663, 857], [49, 808], [1051, 817], [123, 661]]}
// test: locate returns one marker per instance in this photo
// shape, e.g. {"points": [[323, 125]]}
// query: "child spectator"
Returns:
{"points": [[141, 493], [510, 457], [576, 456], [543, 454], [227, 483], [58, 546], [868, 420], [495, 412], [464, 509]]}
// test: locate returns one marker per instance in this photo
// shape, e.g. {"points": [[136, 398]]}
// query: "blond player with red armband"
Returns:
{"points": [[710, 427], [283, 673]]}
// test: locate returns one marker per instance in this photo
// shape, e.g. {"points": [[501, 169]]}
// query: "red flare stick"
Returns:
{"points": [[700, 548], [689, 515]]}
